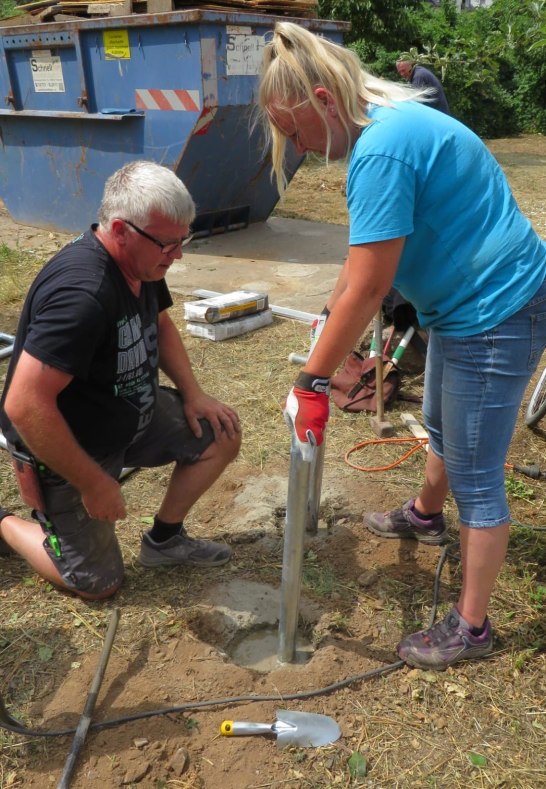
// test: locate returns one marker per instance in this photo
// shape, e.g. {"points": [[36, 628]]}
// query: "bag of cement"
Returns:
{"points": [[227, 306], [232, 328]]}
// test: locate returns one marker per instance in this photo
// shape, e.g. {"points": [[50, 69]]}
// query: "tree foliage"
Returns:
{"points": [[383, 22], [492, 61]]}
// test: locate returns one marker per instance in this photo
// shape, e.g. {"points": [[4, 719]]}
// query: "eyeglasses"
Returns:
{"points": [[166, 248]]}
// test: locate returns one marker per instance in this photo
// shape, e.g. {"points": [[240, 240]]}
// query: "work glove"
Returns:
{"points": [[307, 410], [317, 327]]}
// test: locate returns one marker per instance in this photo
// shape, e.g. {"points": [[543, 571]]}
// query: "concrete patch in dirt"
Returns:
{"points": [[262, 501], [241, 618]]}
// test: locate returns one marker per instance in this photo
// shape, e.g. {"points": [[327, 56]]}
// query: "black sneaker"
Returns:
{"points": [[182, 549], [445, 643], [404, 523]]}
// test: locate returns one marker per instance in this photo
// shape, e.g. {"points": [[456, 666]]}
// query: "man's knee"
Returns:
{"points": [[103, 594], [234, 446]]}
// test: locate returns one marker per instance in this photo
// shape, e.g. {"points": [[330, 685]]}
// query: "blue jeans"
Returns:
{"points": [[473, 391]]}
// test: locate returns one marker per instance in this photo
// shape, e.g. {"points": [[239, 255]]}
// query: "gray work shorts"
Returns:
{"points": [[90, 559]]}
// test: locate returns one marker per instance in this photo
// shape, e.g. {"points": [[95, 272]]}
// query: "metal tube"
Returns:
{"points": [[85, 720], [292, 564], [315, 487], [124, 471], [8, 350], [298, 358]]}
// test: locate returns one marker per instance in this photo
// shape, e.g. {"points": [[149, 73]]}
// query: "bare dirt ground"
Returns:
{"points": [[478, 725]]}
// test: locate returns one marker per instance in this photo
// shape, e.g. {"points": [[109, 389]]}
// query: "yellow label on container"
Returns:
{"points": [[116, 44]]}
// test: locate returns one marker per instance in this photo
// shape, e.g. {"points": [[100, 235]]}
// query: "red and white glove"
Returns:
{"points": [[307, 410], [317, 327]]}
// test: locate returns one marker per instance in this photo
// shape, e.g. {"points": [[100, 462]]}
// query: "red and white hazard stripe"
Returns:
{"points": [[205, 119], [178, 100]]}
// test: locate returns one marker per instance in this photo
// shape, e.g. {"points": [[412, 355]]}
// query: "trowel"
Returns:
{"points": [[307, 729]]}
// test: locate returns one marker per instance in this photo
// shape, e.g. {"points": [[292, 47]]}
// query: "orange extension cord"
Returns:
{"points": [[417, 442]]}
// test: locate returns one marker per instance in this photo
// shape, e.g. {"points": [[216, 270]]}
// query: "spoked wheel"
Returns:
{"points": [[537, 404]]}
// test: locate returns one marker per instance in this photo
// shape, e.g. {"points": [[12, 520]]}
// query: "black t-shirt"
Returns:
{"points": [[81, 317]]}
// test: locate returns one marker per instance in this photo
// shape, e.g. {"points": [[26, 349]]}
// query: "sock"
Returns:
{"points": [[428, 516], [477, 631], [162, 531], [4, 514]]}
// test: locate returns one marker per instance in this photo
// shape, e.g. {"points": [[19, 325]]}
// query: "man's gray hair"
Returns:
{"points": [[139, 189]]}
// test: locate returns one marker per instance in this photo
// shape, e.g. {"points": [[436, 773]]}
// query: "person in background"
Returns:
{"points": [[82, 398], [430, 213], [421, 77]]}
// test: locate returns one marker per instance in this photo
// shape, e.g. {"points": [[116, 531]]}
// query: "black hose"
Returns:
{"points": [[11, 724], [85, 720]]}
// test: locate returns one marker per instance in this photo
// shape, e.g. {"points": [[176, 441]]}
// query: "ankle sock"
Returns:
{"points": [[428, 516], [4, 513], [162, 531], [475, 631], [478, 631]]}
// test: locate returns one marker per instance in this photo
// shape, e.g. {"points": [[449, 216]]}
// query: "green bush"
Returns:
{"points": [[491, 61], [8, 8]]}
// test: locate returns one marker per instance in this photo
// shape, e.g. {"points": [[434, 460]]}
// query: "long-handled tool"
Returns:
{"points": [[306, 729], [85, 720], [379, 424]]}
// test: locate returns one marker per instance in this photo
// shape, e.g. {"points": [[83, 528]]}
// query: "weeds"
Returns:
{"points": [[17, 270]]}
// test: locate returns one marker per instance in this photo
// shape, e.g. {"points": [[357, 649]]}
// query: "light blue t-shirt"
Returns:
{"points": [[471, 258]]}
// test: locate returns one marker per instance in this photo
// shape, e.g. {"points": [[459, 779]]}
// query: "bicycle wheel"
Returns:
{"points": [[537, 404]]}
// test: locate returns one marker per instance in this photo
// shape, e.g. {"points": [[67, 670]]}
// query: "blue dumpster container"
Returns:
{"points": [[83, 98]]}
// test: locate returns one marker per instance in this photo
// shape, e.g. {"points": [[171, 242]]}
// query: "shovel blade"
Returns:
{"points": [[306, 729]]}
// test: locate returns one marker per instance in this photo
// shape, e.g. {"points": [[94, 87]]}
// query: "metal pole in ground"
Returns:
{"points": [[292, 564], [315, 487]]}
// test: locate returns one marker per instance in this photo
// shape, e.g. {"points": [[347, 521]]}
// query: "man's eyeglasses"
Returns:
{"points": [[166, 248]]}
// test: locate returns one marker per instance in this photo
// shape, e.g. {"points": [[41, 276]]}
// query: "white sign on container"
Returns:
{"points": [[244, 53], [47, 71]]}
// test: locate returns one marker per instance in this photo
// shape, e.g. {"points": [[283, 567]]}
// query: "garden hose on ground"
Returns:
{"points": [[13, 725]]}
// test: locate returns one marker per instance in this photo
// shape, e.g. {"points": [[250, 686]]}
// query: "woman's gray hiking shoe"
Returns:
{"points": [[182, 549], [403, 523], [445, 643]]}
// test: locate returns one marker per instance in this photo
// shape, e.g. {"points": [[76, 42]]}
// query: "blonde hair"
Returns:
{"points": [[295, 63]]}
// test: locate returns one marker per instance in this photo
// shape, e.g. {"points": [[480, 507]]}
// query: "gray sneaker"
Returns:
{"points": [[403, 523], [445, 643], [182, 549]]}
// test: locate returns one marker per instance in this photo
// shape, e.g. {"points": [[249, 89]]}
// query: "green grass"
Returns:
{"points": [[17, 270]]}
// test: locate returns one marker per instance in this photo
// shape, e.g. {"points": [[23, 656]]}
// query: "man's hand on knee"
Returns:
{"points": [[103, 499]]}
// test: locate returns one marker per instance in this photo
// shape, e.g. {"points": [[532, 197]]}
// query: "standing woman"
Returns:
{"points": [[431, 214]]}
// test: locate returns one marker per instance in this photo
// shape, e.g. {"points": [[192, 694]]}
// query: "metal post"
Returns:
{"points": [[292, 564], [315, 487]]}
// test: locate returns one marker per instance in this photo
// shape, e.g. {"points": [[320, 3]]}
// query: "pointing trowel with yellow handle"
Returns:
{"points": [[306, 729]]}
